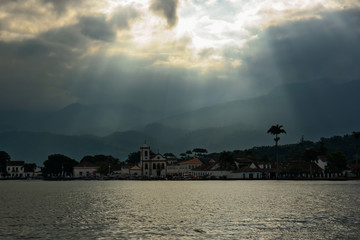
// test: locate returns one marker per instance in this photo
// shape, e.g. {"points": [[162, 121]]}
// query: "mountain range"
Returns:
{"points": [[313, 109]]}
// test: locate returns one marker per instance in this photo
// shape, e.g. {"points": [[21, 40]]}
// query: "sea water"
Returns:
{"points": [[179, 210]]}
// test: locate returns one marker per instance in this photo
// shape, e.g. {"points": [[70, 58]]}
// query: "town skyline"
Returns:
{"points": [[178, 73], [336, 157]]}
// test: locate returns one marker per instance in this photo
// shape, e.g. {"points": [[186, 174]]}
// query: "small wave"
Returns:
{"points": [[199, 230]]}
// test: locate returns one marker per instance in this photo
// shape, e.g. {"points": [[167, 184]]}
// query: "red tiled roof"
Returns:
{"points": [[192, 161]]}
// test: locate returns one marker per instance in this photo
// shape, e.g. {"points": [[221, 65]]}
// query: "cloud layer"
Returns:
{"points": [[169, 55], [167, 9]]}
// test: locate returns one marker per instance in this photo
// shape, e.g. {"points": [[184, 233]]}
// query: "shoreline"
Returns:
{"points": [[232, 179]]}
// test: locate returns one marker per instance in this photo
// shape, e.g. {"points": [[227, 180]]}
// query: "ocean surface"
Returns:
{"points": [[179, 210]]}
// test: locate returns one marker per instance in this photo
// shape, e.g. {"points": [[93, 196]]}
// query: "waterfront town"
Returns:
{"points": [[167, 166]]}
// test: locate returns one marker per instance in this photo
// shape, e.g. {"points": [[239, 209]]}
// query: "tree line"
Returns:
{"points": [[339, 151]]}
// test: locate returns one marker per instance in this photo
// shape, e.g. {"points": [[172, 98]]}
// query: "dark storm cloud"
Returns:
{"points": [[54, 69], [34, 71], [68, 37], [326, 47], [97, 28], [62, 5], [40, 72], [3, 2], [101, 28], [167, 9], [32, 74], [33, 48]]}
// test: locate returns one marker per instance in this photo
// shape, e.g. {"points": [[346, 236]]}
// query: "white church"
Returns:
{"points": [[152, 165]]}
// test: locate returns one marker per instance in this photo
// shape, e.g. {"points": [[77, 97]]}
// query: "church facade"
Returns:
{"points": [[152, 165]]}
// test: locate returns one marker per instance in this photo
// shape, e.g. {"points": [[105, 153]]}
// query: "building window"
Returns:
{"points": [[154, 166], [146, 153], [146, 166], [162, 166]]}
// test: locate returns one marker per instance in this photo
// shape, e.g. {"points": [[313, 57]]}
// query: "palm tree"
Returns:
{"points": [[276, 130]]}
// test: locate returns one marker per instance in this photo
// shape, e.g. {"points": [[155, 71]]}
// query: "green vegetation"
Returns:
{"points": [[59, 165], [133, 158], [4, 158], [227, 161], [199, 151], [341, 153], [106, 164], [336, 162], [169, 155]]}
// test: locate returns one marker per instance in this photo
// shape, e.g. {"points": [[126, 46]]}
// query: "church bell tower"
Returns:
{"points": [[144, 157]]}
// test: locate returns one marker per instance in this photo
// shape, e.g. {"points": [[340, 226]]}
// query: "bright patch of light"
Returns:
{"points": [[111, 5]]}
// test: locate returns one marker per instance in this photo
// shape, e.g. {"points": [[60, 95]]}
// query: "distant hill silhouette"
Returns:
{"points": [[80, 119], [315, 109]]}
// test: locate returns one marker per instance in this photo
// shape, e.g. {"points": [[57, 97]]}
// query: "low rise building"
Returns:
{"points": [[253, 171], [86, 170], [15, 169], [184, 168], [152, 165]]}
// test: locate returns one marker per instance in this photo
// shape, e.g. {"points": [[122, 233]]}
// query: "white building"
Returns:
{"points": [[152, 165], [322, 162], [248, 172], [130, 170], [209, 171], [37, 172], [85, 170], [184, 168], [15, 169]]}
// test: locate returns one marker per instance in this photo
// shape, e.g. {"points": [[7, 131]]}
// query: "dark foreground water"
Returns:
{"points": [[179, 210]]}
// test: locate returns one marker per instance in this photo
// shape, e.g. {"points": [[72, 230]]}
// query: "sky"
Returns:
{"points": [[171, 55]]}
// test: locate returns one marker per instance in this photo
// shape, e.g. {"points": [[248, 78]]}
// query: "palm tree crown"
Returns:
{"points": [[276, 130]]}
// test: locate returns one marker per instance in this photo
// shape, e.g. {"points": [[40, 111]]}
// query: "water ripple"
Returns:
{"points": [[179, 210]]}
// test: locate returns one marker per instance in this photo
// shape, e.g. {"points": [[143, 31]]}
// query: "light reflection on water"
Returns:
{"points": [[179, 210]]}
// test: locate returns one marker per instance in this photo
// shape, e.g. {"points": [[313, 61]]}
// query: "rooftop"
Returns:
{"points": [[15, 163], [192, 161]]}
